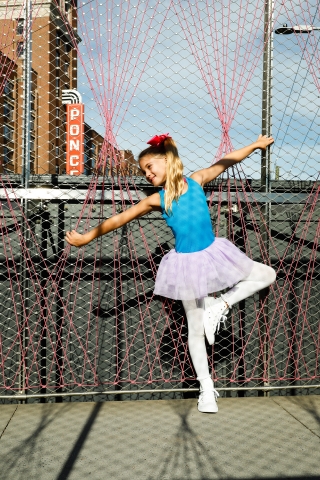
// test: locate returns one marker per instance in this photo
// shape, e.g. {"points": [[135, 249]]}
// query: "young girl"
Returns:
{"points": [[199, 264]]}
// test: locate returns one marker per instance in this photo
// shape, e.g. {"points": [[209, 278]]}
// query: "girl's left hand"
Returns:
{"points": [[76, 239], [263, 141]]}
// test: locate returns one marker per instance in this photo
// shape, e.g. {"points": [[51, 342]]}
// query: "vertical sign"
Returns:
{"points": [[75, 139]]}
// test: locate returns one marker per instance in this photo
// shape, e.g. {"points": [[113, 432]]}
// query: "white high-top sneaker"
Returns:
{"points": [[215, 313], [207, 402]]}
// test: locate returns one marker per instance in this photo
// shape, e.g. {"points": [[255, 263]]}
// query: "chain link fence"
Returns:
{"points": [[83, 86]]}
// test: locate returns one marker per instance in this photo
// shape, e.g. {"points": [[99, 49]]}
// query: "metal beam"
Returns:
{"points": [[81, 195], [151, 391]]}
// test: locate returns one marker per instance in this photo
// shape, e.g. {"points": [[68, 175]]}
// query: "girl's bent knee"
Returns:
{"points": [[272, 275], [262, 273]]}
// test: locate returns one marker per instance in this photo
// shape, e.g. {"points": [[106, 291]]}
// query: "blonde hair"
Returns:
{"points": [[174, 180]]}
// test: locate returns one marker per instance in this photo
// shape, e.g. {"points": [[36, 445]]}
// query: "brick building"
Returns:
{"points": [[8, 109], [92, 146], [129, 166], [54, 68]]}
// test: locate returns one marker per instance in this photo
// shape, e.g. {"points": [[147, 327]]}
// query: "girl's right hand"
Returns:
{"points": [[76, 239], [263, 141]]}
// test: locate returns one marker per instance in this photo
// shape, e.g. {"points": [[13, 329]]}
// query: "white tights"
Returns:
{"points": [[261, 276]]}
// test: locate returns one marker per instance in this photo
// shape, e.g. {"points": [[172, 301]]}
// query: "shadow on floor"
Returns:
{"points": [[30, 446], [188, 449]]}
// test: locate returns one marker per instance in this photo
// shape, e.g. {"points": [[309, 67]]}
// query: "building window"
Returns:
{"points": [[20, 26], [67, 47], [20, 49], [57, 132], [87, 141], [8, 111], [66, 67], [32, 123], [8, 133], [7, 156], [32, 103], [58, 39], [8, 89], [57, 58], [32, 144]]}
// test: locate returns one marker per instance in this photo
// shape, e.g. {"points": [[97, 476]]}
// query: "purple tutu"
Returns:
{"points": [[185, 276]]}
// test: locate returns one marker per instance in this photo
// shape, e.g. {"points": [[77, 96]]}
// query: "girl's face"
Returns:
{"points": [[154, 169]]}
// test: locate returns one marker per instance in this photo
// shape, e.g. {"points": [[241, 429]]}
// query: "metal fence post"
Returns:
{"points": [[59, 302], [266, 163], [25, 178]]}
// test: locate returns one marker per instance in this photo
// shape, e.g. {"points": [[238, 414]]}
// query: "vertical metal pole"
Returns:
{"points": [[267, 93], [27, 88], [45, 228], [25, 177], [266, 158], [59, 303], [242, 330], [121, 279], [293, 309]]}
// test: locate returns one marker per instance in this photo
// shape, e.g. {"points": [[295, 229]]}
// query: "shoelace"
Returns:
{"points": [[203, 393], [223, 320], [223, 317]]}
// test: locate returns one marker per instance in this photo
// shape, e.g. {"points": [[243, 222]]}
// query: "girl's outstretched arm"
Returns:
{"points": [[142, 208], [207, 174]]}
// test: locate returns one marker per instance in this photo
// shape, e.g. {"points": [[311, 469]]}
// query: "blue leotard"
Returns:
{"points": [[190, 220]]}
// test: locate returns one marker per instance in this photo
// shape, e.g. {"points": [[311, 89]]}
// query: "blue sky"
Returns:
{"points": [[171, 95]]}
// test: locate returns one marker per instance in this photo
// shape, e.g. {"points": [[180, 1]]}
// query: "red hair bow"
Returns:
{"points": [[157, 140]]}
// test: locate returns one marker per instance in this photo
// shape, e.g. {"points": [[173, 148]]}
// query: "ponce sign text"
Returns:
{"points": [[75, 139]]}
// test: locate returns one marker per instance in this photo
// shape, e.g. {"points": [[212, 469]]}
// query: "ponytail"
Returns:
{"points": [[174, 181]]}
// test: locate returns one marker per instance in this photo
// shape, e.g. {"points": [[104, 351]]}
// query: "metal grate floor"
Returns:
{"points": [[250, 438]]}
